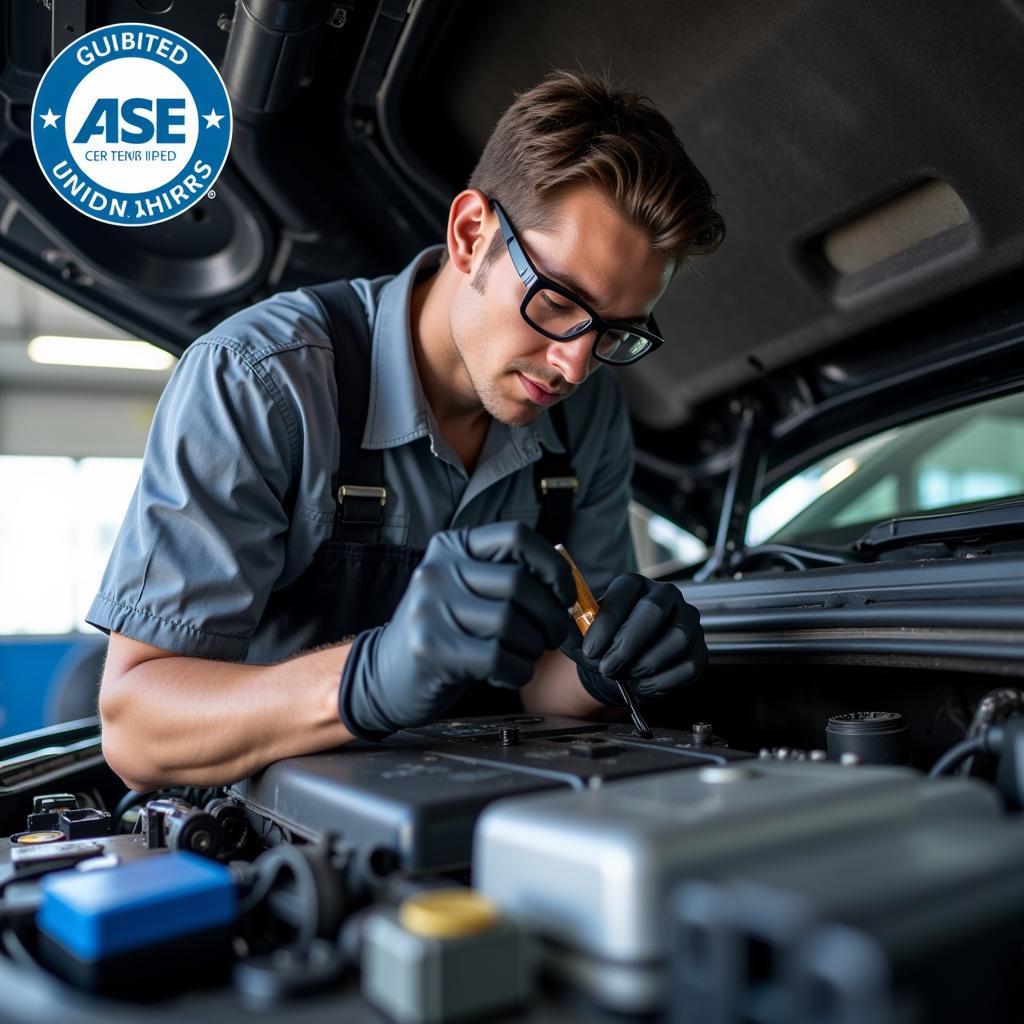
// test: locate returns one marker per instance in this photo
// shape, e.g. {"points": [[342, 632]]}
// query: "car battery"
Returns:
{"points": [[919, 922], [115, 931], [592, 872], [415, 800]]}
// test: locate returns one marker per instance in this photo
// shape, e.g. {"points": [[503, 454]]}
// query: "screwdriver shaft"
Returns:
{"points": [[583, 612]]}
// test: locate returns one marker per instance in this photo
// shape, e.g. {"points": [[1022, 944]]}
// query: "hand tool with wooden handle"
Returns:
{"points": [[583, 612]]}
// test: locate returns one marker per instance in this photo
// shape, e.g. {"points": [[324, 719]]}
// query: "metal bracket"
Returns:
{"points": [[358, 491], [558, 483], [67, 22]]}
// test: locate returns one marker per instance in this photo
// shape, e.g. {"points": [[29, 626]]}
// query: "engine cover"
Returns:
{"points": [[419, 794]]}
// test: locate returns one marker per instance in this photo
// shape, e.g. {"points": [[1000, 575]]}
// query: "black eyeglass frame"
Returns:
{"points": [[535, 282]]}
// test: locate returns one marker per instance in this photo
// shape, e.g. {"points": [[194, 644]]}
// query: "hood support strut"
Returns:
{"points": [[741, 490]]}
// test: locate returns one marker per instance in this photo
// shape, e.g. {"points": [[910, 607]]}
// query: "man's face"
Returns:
{"points": [[589, 248]]}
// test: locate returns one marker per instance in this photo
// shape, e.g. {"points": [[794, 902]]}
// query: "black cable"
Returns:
{"points": [[11, 914], [995, 707], [958, 754], [17, 951], [265, 881], [28, 874], [131, 799]]}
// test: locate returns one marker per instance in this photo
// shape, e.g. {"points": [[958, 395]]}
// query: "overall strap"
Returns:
{"points": [[556, 483], [359, 482]]}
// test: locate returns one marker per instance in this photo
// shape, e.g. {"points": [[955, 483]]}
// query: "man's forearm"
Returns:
{"points": [[192, 721], [555, 689]]}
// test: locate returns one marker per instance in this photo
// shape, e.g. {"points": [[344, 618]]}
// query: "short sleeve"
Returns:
{"points": [[599, 535], [202, 542]]}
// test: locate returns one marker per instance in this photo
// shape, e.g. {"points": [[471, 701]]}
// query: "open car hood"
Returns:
{"points": [[866, 156]]}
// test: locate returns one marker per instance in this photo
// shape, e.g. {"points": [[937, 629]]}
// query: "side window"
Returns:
{"points": [[661, 546], [803, 492], [879, 501], [982, 460], [955, 459]]}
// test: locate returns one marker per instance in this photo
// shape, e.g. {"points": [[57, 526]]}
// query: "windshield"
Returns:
{"points": [[950, 461]]}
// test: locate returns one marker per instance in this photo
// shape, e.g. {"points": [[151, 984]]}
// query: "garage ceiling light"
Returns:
{"points": [[107, 352]]}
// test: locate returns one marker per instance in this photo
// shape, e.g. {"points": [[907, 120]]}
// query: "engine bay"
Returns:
{"points": [[525, 867]]}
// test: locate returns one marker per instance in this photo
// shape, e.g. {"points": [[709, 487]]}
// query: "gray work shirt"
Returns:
{"points": [[247, 430]]}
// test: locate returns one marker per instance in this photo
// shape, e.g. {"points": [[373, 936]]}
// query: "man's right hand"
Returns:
{"points": [[484, 604]]}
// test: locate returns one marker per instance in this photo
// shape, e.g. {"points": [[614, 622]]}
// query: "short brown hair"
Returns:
{"points": [[575, 128]]}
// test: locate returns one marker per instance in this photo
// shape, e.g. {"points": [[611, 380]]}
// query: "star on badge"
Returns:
{"points": [[213, 119], [49, 118]]}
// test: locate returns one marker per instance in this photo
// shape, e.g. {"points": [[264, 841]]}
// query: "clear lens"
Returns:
{"points": [[554, 313], [622, 346], [560, 317]]}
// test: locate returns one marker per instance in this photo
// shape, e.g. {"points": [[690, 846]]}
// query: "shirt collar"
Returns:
{"points": [[398, 407], [398, 411]]}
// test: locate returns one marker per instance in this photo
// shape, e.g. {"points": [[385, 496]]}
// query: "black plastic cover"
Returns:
{"points": [[420, 794]]}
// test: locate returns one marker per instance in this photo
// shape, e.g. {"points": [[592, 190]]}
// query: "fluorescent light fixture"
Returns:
{"points": [[113, 353], [837, 474]]}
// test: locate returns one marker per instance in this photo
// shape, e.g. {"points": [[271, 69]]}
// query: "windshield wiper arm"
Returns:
{"points": [[1007, 517], [797, 556]]}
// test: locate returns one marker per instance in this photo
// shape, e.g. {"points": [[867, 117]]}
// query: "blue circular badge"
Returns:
{"points": [[131, 124]]}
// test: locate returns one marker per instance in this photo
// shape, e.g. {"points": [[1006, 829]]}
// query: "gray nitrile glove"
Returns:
{"points": [[484, 604], [644, 634]]}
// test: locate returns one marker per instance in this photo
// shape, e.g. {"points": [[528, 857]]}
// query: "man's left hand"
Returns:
{"points": [[644, 634]]}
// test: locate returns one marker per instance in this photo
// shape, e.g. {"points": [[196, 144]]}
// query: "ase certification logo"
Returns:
{"points": [[131, 124]]}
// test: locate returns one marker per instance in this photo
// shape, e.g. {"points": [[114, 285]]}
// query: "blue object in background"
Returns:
{"points": [[99, 914], [48, 679]]}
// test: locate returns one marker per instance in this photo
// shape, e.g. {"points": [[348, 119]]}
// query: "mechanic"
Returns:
{"points": [[345, 520]]}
